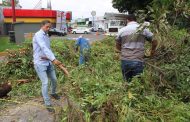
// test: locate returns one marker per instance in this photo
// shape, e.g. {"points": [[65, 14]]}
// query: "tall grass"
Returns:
{"points": [[5, 44], [160, 94]]}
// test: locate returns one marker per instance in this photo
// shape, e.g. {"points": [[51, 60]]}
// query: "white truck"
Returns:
{"points": [[113, 26]]}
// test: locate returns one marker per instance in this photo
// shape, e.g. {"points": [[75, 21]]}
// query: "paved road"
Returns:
{"points": [[91, 37]]}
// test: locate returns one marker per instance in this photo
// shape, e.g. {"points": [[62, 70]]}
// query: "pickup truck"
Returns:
{"points": [[55, 31]]}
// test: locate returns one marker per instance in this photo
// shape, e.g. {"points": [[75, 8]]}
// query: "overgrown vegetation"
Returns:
{"points": [[161, 94], [97, 89]]}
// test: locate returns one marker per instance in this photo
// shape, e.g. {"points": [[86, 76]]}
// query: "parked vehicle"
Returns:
{"points": [[100, 30], [114, 26], [92, 29], [81, 30], [55, 31]]}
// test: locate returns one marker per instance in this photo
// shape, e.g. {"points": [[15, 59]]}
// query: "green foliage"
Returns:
{"points": [[130, 5], [99, 89], [19, 64], [5, 44], [174, 12], [8, 2], [160, 94], [177, 12], [178, 35]]}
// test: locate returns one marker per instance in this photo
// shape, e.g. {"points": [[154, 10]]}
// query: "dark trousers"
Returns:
{"points": [[131, 69]]}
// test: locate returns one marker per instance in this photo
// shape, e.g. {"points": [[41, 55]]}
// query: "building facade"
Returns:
{"points": [[29, 21], [31, 18]]}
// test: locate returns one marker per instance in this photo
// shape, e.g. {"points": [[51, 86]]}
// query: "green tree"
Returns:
{"points": [[130, 5], [176, 12], [8, 2]]}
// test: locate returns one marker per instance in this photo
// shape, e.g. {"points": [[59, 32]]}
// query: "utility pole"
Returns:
{"points": [[13, 10], [93, 13], [12, 33], [49, 4]]}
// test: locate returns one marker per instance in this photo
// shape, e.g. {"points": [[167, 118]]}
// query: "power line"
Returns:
{"points": [[38, 5]]}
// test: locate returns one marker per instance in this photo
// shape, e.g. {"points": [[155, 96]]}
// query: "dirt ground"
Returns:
{"points": [[33, 111]]}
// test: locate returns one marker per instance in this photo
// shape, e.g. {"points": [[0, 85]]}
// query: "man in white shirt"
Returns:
{"points": [[44, 59]]}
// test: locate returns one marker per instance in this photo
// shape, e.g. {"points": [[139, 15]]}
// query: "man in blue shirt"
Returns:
{"points": [[84, 49], [44, 59]]}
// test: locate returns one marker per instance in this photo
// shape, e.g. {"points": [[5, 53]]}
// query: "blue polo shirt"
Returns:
{"points": [[83, 44]]}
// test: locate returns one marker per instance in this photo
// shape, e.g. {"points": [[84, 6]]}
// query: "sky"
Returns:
{"points": [[79, 8]]}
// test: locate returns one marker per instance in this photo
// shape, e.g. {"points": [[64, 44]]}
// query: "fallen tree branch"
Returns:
{"points": [[155, 67], [65, 71], [22, 81]]}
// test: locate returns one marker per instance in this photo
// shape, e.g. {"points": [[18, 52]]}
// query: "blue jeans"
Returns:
{"points": [[131, 69], [83, 59], [43, 73]]}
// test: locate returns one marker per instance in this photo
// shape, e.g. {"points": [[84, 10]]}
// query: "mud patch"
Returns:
{"points": [[33, 111]]}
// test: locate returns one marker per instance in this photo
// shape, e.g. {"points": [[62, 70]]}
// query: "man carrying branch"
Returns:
{"points": [[43, 63], [130, 42]]}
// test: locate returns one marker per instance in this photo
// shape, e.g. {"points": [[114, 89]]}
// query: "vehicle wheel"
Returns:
{"points": [[74, 32], [85, 32]]}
